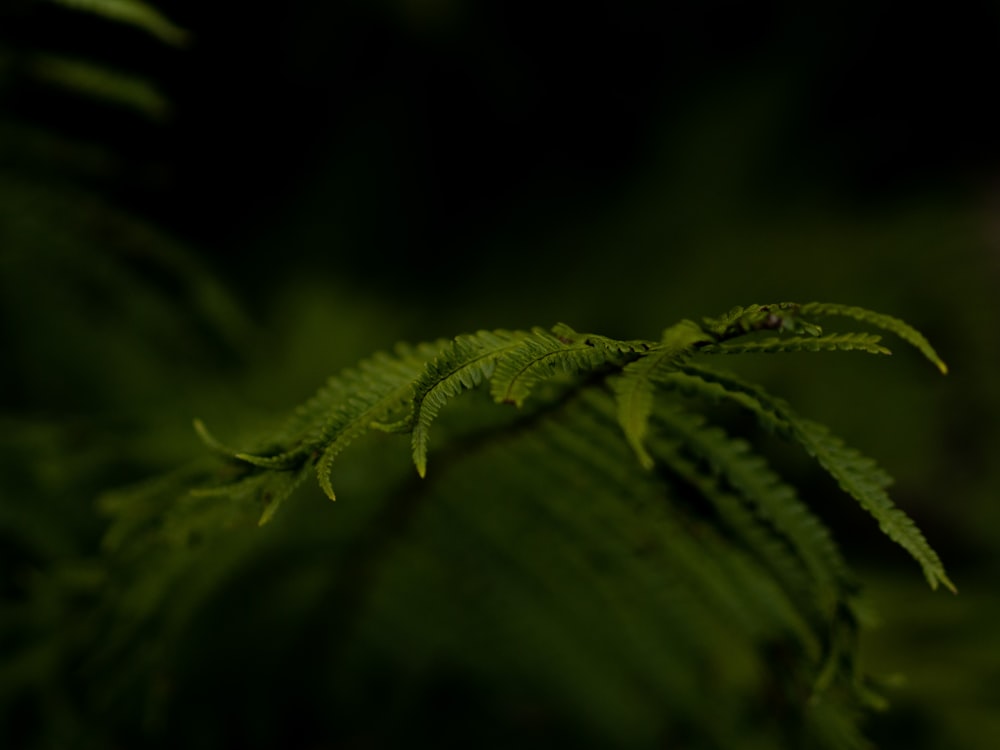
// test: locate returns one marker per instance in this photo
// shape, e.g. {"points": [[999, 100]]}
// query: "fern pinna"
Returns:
{"points": [[609, 498]]}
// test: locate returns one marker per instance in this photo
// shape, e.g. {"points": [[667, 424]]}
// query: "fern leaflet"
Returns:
{"points": [[543, 354], [634, 387], [310, 426], [860, 477], [344, 409], [465, 364], [866, 342], [879, 320], [782, 316], [771, 500], [211, 442], [856, 474], [382, 386], [267, 490]]}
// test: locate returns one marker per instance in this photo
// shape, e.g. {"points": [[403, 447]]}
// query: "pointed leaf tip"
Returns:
{"points": [[942, 578], [324, 483], [323, 474], [210, 440], [645, 460]]}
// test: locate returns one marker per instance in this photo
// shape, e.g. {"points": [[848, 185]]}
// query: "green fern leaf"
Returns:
{"points": [[857, 475], [711, 565], [309, 421], [771, 500], [378, 388], [212, 443], [344, 409], [280, 488], [781, 316], [347, 406], [879, 320], [634, 387], [866, 342], [860, 477], [728, 580], [542, 355], [759, 542], [468, 362]]}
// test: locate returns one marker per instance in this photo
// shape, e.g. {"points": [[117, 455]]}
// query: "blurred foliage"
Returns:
{"points": [[209, 222]]}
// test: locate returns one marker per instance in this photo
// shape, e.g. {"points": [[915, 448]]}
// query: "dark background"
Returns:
{"points": [[416, 143]]}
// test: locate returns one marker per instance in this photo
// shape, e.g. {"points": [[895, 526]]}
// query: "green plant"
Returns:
{"points": [[613, 556], [602, 562]]}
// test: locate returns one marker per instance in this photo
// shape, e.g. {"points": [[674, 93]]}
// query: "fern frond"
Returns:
{"points": [[857, 475], [879, 320], [702, 575], [281, 487], [634, 387], [346, 407], [738, 519], [470, 360], [134, 13], [781, 316], [379, 387], [212, 443], [280, 461], [257, 494], [303, 432], [598, 542], [771, 500], [725, 578], [380, 382], [543, 354], [861, 477], [866, 342]]}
